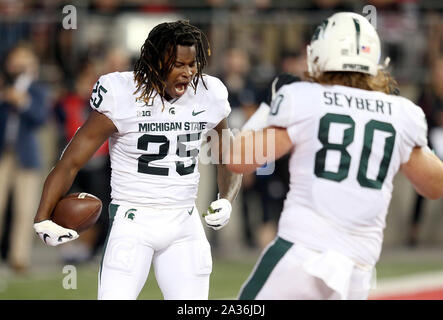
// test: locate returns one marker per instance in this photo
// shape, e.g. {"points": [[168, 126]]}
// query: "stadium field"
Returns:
{"points": [[417, 278]]}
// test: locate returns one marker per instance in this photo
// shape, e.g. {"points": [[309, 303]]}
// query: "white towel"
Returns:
{"points": [[334, 268]]}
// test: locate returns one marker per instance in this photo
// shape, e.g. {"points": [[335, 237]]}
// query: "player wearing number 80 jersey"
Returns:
{"points": [[348, 135], [349, 144]]}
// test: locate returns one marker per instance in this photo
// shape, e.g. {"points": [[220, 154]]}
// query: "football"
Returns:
{"points": [[78, 211]]}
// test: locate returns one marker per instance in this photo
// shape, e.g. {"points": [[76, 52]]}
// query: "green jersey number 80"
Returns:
{"points": [[345, 158]]}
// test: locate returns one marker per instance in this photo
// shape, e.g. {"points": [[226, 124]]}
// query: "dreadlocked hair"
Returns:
{"points": [[158, 55]]}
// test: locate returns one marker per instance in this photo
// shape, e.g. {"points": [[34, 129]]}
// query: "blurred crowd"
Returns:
{"points": [[48, 72]]}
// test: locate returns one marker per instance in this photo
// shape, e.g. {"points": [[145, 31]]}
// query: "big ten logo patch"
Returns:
{"points": [[143, 113]]}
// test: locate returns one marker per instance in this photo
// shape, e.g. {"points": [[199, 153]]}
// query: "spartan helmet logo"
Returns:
{"points": [[172, 111], [130, 214]]}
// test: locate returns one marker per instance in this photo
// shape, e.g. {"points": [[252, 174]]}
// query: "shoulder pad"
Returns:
{"points": [[278, 82]]}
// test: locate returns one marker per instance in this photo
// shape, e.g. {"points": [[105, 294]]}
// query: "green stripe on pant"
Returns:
{"points": [[261, 274], [112, 212]]}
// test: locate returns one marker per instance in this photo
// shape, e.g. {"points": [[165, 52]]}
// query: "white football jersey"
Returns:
{"points": [[348, 145], [154, 154]]}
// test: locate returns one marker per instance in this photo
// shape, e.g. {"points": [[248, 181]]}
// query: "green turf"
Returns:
{"points": [[226, 280], [393, 269]]}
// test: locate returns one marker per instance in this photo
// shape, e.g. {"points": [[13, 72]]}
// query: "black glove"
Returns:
{"points": [[278, 82]]}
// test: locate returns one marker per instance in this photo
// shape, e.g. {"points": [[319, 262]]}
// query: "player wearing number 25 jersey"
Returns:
{"points": [[156, 119], [348, 137], [155, 149]]}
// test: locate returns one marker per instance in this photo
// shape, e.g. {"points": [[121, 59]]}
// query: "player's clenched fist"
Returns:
{"points": [[52, 234], [218, 214]]}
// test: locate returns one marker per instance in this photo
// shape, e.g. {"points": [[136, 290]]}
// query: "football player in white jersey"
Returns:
{"points": [[348, 136], [155, 118]]}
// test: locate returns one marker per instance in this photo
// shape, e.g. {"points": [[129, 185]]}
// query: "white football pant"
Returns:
{"points": [[287, 271], [172, 240]]}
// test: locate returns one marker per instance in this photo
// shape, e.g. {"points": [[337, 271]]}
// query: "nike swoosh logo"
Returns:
{"points": [[191, 211], [214, 225], [45, 236], [196, 113], [69, 236]]}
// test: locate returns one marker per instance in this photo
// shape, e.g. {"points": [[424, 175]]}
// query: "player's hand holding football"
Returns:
{"points": [[52, 234], [218, 214]]}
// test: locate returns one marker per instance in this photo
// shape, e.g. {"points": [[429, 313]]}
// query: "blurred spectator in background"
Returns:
{"points": [[242, 93], [66, 56], [157, 6], [13, 26], [243, 101], [321, 9], [273, 188], [23, 109], [294, 62], [98, 28], [105, 7], [431, 101], [397, 20], [328, 6], [116, 59], [95, 177]]}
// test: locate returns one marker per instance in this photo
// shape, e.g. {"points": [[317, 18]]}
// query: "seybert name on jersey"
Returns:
{"points": [[342, 100]]}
